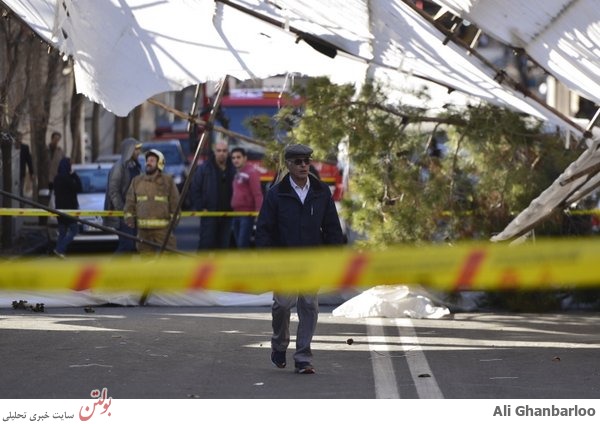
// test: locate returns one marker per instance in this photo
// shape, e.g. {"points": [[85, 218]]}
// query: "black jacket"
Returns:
{"points": [[204, 190], [284, 221], [66, 187]]}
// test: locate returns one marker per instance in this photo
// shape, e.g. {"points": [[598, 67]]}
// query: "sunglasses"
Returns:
{"points": [[299, 161]]}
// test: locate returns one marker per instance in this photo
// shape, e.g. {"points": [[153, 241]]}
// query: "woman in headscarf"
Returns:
{"points": [[66, 186]]}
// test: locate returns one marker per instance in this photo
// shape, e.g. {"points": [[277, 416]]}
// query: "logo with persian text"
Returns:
{"points": [[99, 407]]}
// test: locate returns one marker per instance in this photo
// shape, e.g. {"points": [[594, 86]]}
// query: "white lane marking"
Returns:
{"points": [[49, 323], [427, 344], [383, 371], [90, 365], [425, 382]]}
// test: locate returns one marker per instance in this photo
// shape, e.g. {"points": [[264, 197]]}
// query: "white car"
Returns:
{"points": [[94, 180]]}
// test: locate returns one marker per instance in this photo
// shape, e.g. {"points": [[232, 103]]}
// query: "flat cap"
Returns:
{"points": [[297, 150]]}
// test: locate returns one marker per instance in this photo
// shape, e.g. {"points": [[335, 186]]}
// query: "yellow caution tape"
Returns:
{"points": [[583, 212], [42, 212], [547, 265], [76, 212]]}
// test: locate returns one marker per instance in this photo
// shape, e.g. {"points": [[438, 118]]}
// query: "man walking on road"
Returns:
{"points": [[297, 212], [152, 201]]}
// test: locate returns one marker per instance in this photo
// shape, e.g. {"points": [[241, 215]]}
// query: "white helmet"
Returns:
{"points": [[159, 156]]}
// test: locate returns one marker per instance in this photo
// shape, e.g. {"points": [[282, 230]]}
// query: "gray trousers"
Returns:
{"points": [[307, 307]]}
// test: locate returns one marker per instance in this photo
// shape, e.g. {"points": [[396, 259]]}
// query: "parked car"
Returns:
{"points": [[94, 181], [111, 158]]}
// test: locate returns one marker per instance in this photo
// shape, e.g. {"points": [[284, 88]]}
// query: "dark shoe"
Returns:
{"points": [[304, 368], [60, 255], [278, 358]]}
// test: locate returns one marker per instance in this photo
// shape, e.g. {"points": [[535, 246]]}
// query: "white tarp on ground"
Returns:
{"points": [[381, 301], [391, 302], [90, 298], [126, 51], [70, 298]]}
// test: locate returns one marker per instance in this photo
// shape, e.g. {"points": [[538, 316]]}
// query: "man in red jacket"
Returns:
{"points": [[247, 196]]}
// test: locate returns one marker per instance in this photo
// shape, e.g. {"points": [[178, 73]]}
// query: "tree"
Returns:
{"points": [[416, 178], [30, 77], [13, 99], [76, 120]]}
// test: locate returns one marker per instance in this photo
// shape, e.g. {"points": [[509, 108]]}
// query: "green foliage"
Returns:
{"points": [[495, 162]]}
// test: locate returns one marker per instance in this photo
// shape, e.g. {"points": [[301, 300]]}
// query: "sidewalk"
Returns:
{"points": [[30, 237]]}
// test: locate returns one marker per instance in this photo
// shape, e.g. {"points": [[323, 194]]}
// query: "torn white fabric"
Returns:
{"points": [[573, 184], [153, 47], [563, 36]]}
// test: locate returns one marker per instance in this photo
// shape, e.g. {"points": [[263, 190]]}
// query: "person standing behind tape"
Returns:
{"points": [[26, 179], [211, 190], [55, 155], [247, 196], [297, 212], [66, 186], [119, 179], [152, 200]]}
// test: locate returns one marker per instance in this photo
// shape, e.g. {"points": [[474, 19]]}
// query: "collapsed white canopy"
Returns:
{"points": [[126, 51], [563, 36], [577, 181]]}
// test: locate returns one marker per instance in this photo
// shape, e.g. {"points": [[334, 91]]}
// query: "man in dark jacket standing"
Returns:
{"points": [[55, 155], [211, 190], [25, 164], [297, 212], [66, 185], [119, 179]]}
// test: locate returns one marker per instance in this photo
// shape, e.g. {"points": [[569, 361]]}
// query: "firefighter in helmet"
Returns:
{"points": [[151, 202]]}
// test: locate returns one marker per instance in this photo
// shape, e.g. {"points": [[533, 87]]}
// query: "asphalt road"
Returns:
{"points": [[223, 353]]}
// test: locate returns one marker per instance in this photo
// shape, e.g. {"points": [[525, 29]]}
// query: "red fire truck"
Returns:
{"points": [[236, 110]]}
